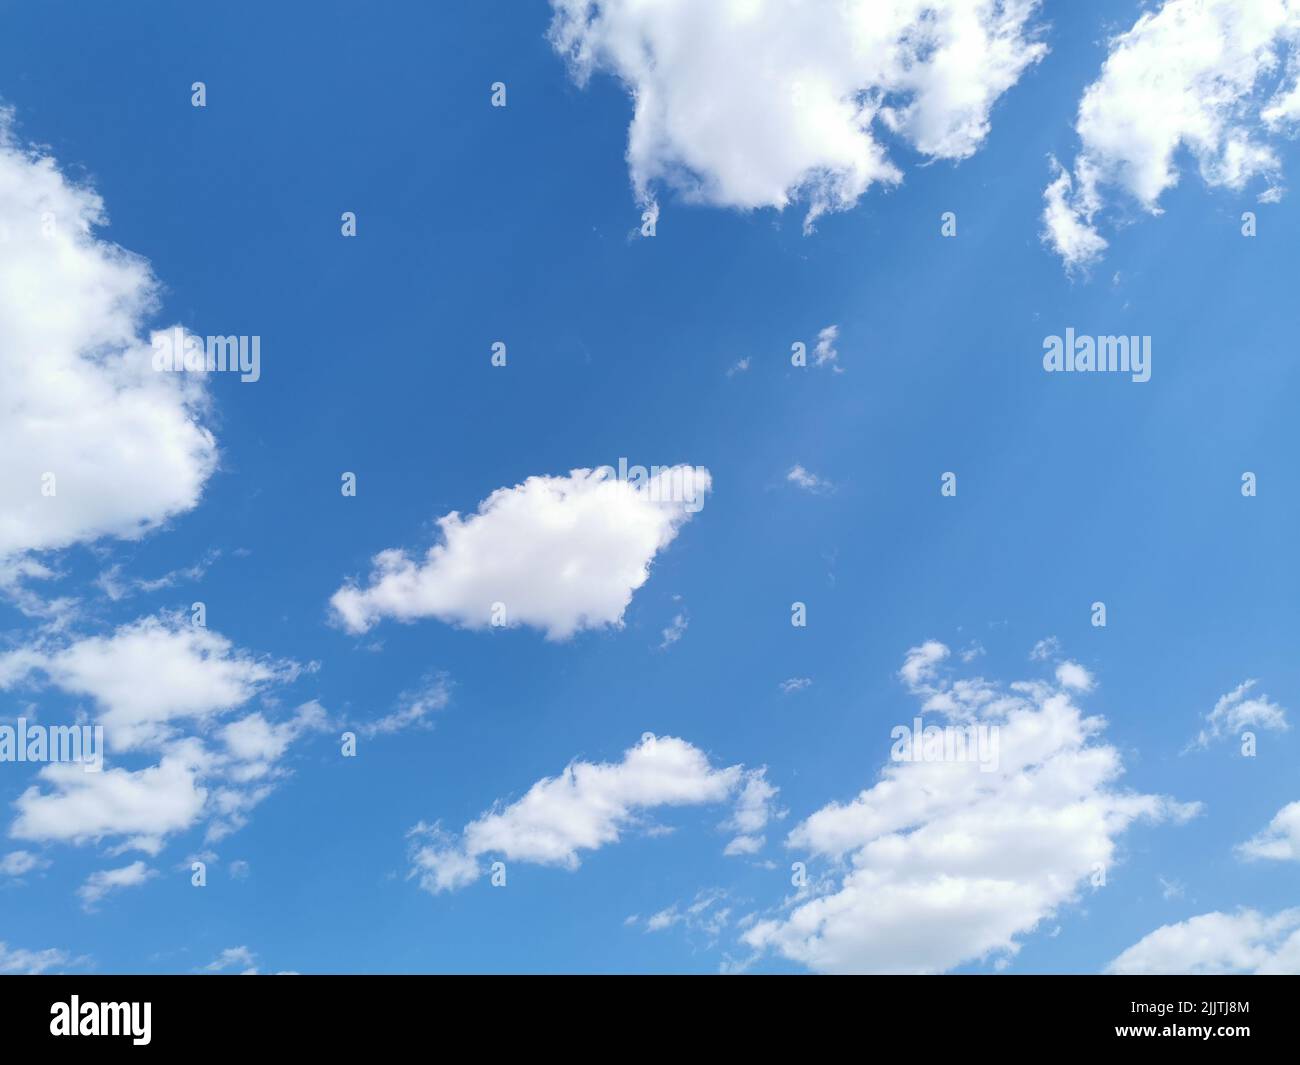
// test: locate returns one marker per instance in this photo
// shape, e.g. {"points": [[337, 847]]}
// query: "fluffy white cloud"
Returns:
{"points": [[754, 103], [1280, 840], [1217, 943], [948, 862], [559, 554], [149, 675], [144, 806], [1234, 713], [1073, 676], [584, 808], [1205, 76], [79, 398], [100, 883]]}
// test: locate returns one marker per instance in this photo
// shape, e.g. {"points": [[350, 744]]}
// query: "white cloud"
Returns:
{"points": [[919, 666], [20, 863], [1204, 76], [755, 807], [1073, 676], [145, 806], [757, 103], [240, 958], [561, 554], [31, 962], [825, 352], [586, 807], [807, 480], [414, 709], [1234, 713], [1217, 944], [150, 675], [100, 883], [705, 915], [1280, 840], [1045, 649], [191, 782], [79, 398], [948, 863], [675, 630], [794, 684]]}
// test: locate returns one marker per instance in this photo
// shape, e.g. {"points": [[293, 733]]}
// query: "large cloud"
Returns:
{"points": [[149, 675], [79, 398], [948, 862], [1217, 943], [558, 553], [752, 103], [1203, 75], [587, 807]]}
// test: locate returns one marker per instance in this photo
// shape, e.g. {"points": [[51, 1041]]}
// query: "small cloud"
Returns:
{"points": [[1234, 713], [674, 632], [1045, 649], [100, 883], [1171, 889], [807, 480], [1073, 676], [20, 863], [794, 684], [240, 958], [742, 366], [824, 354]]}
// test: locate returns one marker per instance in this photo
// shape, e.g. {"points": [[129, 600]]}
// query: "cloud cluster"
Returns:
{"points": [[757, 103], [1216, 78], [167, 690], [941, 862]]}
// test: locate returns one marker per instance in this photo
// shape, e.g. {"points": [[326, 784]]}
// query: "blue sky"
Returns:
{"points": [[522, 224]]}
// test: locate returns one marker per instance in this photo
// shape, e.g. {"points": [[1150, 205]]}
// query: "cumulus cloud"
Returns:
{"points": [[164, 690], [1217, 943], [1280, 840], [104, 881], [144, 806], [942, 862], [759, 103], [586, 807], [149, 675], [1234, 713], [560, 554], [79, 398], [1214, 78]]}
